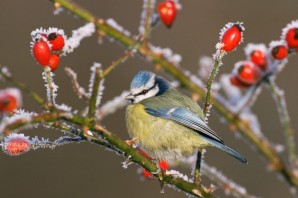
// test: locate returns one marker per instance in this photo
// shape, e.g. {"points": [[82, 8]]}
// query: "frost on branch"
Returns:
{"points": [[51, 87], [17, 143], [118, 27], [94, 69], [4, 72], [112, 106], [144, 16], [292, 25], [77, 35], [167, 53]]}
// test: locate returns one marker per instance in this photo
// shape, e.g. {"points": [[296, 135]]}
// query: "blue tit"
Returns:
{"points": [[166, 123]]}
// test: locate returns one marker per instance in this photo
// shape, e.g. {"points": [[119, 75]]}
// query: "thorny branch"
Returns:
{"points": [[263, 146]]}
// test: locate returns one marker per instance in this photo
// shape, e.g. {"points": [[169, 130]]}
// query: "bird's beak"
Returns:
{"points": [[129, 97]]}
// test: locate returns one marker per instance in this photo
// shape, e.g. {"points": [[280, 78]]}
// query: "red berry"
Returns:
{"points": [[258, 57], [41, 52], [236, 82], [292, 38], [146, 174], [163, 165], [16, 145], [54, 61], [167, 11], [8, 103], [248, 73], [279, 52], [56, 40], [231, 38]]}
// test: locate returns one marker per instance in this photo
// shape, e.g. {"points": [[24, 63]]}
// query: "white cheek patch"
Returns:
{"points": [[146, 86], [151, 93]]}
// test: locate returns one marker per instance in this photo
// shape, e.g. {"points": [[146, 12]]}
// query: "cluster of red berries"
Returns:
{"points": [[163, 165], [10, 100], [47, 46], [260, 60], [167, 12]]}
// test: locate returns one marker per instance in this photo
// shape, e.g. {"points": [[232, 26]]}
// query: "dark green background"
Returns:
{"points": [[86, 170]]}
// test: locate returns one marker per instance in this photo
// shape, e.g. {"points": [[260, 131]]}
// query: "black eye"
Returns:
{"points": [[144, 91]]}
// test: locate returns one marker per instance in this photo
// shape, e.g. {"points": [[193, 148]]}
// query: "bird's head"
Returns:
{"points": [[145, 85]]}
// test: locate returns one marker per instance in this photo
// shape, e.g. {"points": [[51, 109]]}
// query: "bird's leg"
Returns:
{"points": [[197, 171]]}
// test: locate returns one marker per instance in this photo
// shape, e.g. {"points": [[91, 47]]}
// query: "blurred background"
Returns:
{"points": [[87, 170]]}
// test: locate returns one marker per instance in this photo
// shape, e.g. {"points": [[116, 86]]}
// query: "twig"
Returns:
{"points": [[280, 102], [148, 9], [47, 75], [94, 94], [80, 91], [38, 99], [217, 63]]}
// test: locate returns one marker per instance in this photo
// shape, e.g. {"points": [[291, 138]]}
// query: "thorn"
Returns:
{"points": [[131, 142]]}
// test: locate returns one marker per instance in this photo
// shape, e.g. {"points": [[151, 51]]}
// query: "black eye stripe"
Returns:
{"points": [[143, 92]]}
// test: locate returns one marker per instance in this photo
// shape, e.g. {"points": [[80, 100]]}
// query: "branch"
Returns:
{"points": [[280, 102], [263, 146], [97, 134]]}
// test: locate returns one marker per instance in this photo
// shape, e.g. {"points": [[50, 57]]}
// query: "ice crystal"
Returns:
{"points": [[177, 174], [51, 87], [4, 71], [228, 26], [293, 24], [20, 114], [205, 67], [251, 47], [113, 105], [37, 143], [77, 36], [118, 27], [101, 88], [167, 53], [144, 14]]}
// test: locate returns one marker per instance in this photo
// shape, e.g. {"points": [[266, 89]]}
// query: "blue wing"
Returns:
{"points": [[186, 118]]}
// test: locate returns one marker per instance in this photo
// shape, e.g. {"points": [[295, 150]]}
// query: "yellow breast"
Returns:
{"points": [[161, 138]]}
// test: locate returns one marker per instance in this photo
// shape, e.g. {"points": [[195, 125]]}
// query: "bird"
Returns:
{"points": [[167, 124]]}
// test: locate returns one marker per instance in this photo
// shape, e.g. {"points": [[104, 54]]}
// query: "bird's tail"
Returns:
{"points": [[228, 150]]}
